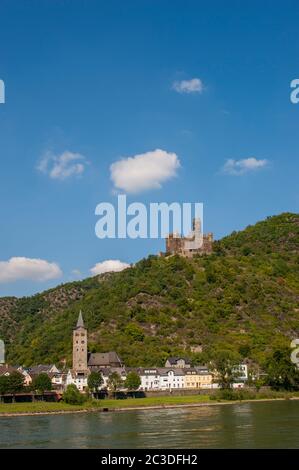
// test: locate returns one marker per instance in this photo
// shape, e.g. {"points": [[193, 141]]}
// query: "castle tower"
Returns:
{"points": [[196, 223], [80, 346]]}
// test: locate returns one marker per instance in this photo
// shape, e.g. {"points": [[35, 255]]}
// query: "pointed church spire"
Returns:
{"points": [[80, 322]]}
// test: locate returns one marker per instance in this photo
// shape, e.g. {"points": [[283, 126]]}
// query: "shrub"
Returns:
{"points": [[72, 396], [42, 382]]}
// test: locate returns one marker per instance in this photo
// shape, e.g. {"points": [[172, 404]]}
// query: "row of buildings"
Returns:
{"points": [[178, 372]]}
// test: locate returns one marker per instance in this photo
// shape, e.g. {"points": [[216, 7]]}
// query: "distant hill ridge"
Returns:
{"points": [[244, 297]]}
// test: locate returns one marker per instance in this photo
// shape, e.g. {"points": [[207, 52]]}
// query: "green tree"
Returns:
{"points": [[95, 380], [132, 381], [72, 396], [281, 372], [4, 384], [42, 382], [225, 365], [15, 382], [114, 382]]}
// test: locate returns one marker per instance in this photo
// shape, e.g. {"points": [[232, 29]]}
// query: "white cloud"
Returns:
{"points": [[145, 171], [194, 85], [20, 268], [62, 166], [239, 167], [108, 266]]}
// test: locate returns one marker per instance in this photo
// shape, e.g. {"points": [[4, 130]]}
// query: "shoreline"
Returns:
{"points": [[142, 408]]}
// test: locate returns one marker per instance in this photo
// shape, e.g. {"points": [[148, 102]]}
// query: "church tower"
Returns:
{"points": [[80, 346]]}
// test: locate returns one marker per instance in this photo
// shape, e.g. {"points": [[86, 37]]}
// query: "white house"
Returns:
{"points": [[150, 379], [242, 375], [171, 378], [77, 378], [242, 371]]}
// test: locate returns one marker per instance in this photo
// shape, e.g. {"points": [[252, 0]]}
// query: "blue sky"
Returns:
{"points": [[104, 81]]}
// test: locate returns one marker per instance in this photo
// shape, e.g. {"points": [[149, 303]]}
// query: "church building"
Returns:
{"points": [[85, 362], [80, 346]]}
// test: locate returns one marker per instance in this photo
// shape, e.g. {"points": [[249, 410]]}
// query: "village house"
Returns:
{"points": [[171, 378], [43, 369], [242, 372], [198, 377], [150, 379], [241, 375], [58, 380], [103, 360], [180, 362], [77, 378]]}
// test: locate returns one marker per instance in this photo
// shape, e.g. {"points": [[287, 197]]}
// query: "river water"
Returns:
{"points": [[249, 425]]}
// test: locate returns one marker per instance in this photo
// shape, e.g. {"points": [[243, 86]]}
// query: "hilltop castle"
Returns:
{"points": [[195, 243]]}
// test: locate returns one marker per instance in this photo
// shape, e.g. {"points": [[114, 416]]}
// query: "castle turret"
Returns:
{"points": [[80, 346]]}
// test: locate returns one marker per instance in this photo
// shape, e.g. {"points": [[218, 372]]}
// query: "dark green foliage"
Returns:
{"points": [[132, 381], [3, 384], [282, 374], [224, 364], [42, 383], [114, 382], [243, 298], [72, 396], [94, 381], [12, 383]]}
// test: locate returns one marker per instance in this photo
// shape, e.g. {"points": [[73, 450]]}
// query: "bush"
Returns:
{"points": [[72, 396], [42, 382], [230, 394]]}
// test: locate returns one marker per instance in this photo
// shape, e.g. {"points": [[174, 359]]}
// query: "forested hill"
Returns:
{"points": [[244, 297]]}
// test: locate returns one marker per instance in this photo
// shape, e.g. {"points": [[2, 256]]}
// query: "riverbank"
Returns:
{"points": [[130, 404]]}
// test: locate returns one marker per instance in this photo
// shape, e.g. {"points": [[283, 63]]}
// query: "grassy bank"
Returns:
{"points": [[43, 407], [94, 405]]}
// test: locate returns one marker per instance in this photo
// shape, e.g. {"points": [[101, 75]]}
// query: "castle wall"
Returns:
{"points": [[180, 245]]}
